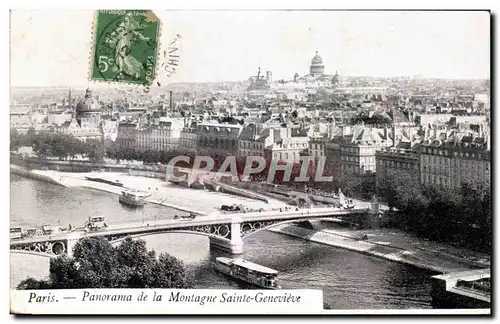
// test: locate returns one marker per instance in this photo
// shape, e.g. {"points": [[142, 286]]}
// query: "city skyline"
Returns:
{"points": [[387, 44]]}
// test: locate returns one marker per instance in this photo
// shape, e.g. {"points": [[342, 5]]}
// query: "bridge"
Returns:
{"points": [[225, 230]]}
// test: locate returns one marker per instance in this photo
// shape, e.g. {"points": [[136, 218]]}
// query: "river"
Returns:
{"points": [[349, 280]]}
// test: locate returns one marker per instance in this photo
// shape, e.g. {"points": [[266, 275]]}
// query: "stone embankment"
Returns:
{"points": [[425, 255], [33, 175]]}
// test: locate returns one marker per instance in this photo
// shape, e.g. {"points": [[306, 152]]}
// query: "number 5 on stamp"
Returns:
{"points": [[125, 46]]}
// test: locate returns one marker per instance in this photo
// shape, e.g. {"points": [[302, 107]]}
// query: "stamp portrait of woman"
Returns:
{"points": [[127, 34]]}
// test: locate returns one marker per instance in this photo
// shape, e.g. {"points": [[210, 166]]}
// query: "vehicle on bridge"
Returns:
{"points": [[248, 272], [349, 204], [95, 223], [233, 208], [190, 216], [16, 233], [31, 232], [133, 198]]}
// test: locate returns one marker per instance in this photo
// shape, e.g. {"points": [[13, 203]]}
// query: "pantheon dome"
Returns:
{"points": [[88, 104], [317, 67]]}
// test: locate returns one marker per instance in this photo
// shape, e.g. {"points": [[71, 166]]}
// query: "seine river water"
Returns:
{"points": [[349, 280]]}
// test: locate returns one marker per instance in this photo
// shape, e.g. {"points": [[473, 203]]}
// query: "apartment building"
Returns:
{"points": [[404, 158], [218, 139], [459, 158]]}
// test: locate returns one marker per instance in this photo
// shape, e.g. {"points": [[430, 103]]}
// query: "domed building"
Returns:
{"points": [[88, 109], [317, 77], [87, 122], [317, 67]]}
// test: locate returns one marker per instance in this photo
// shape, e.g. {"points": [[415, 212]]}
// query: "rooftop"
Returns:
{"points": [[255, 267]]}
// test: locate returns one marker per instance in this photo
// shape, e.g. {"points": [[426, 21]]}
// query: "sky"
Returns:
{"points": [[52, 48]]}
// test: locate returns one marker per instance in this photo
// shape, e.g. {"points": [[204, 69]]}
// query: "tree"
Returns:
{"points": [[75, 147], [32, 283], [95, 150], [15, 140], [349, 183], [113, 151], [461, 216], [28, 138], [401, 189], [61, 144], [97, 264], [42, 145]]}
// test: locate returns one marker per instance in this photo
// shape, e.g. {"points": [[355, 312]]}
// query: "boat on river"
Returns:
{"points": [[133, 198], [116, 183], [248, 272]]}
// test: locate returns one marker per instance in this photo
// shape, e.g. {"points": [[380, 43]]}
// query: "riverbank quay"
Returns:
{"points": [[464, 289], [15, 169], [393, 245], [156, 171], [287, 194], [199, 201], [35, 163]]}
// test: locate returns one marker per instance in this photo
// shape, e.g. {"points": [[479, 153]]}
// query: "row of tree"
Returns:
{"points": [[63, 146], [98, 264], [350, 184], [461, 216]]}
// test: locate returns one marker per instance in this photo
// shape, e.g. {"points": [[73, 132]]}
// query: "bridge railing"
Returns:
{"points": [[211, 220]]}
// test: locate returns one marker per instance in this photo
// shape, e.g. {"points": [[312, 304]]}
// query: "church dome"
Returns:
{"points": [[317, 67], [316, 60], [88, 103]]}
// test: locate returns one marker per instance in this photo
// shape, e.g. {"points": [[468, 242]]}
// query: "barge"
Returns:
{"points": [[248, 272]]}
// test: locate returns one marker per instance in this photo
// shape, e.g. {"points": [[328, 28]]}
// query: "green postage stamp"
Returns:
{"points": [[125, 46]]}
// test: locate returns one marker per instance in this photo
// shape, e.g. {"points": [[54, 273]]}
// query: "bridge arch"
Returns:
{"points": [[247, 229], [49, 248]]}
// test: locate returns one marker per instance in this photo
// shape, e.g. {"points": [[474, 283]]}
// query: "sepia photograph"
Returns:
{"points": [[250, 162]]}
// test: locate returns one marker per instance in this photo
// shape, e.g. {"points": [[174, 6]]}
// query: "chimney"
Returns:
{"points": [[276, 134], [69, 98], [171, 102], [330, 130], [394, 139], [73, 113], [344, 130]]}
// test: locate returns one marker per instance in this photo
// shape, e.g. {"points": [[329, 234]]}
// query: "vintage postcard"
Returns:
{"points": [[250, 162]]}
